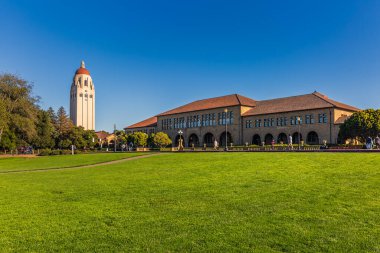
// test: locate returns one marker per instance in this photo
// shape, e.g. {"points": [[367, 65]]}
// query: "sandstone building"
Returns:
{"points": [[311, 118], [82, 99]]}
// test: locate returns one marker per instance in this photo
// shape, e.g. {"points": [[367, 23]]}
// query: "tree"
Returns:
{"points": [[45, 131], [150, 141], [64, 129], [139, 139], [21, 107], [8, 141], [161, 139], [4, 118], [361, 125], [63, 123]]}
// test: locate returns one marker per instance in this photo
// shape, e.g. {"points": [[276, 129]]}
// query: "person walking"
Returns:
{"points": [[377, 141], [272, 144], [215, 145], [369, 142], [290, 142]]}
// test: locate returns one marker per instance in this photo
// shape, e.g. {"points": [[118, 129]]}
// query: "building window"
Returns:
{"points": [[292, 121], [248, 124], [258, 123], [322, 118], [309, 119]]}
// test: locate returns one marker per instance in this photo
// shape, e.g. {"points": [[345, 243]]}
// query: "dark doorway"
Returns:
{"points": [[193, 139], [268, 139], [296, 138], [282, 138], [223, 139], [256, 140], [208, 139], [312, 138]]}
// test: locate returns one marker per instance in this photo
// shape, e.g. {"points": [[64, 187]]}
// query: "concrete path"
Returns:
{"points": [[83, 166]]}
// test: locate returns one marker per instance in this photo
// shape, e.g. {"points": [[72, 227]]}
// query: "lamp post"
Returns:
{"points": [[180, 146], [299, 132], [225, 112]]}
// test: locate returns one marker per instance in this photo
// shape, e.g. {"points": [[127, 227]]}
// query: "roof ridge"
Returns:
{"points": [[237, 96], [323, 97]]}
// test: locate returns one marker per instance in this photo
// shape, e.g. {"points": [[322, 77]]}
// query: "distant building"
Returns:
{"points": [[105, 138], [312, 118], [82, 99]]}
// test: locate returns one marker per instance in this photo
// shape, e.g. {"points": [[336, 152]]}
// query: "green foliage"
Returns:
{"points": [[8, 140], [161, 139], [361, 125], [150, 140], [45, 131], [20, 108], [139, 139]]}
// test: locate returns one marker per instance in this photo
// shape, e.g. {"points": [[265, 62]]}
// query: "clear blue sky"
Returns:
{"points": [[146, 57]]}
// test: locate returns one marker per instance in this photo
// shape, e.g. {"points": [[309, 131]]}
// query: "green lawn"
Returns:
{"points": [[62, 161], [215, 202]]}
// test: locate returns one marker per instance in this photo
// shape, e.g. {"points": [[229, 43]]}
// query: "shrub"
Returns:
{"points": [[45, 152]]}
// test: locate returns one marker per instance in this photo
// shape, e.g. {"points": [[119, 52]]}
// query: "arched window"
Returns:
{"points": [[312, 138], [256, 140]]}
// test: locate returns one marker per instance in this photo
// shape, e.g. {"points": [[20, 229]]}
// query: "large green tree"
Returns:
{"points": [[139, 139], [161, 139], [21, 108], [361, 125], [4, 118], [45, 131]]}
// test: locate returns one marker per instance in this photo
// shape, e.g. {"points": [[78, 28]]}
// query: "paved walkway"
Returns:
{"points": [[83, 166]]}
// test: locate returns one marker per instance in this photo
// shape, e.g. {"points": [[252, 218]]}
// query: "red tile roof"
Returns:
{"points": [[102, 134], [314, 100], [151, 122], [211, 103]]}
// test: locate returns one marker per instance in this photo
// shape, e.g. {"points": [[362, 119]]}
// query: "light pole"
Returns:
{"points": [[180, 146], [299, 132], [114, 133], [225, 118]]}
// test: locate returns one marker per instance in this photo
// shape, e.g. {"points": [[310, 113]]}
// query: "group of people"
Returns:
{"points": [[370, 143]]}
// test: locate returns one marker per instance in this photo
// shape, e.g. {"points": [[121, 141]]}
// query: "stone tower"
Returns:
{"points": [[82, 99]]}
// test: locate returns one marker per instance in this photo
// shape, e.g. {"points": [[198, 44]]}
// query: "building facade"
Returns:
{"points": [[311, 118], [82, 99]]}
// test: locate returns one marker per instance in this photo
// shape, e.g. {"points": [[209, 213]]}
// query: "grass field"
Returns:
{"points": [[62, 161], [219, 202]]}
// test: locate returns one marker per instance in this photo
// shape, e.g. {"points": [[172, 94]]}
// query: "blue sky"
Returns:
{"points": [[146, 57]]}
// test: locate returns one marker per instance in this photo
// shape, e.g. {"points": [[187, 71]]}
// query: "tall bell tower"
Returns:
{"points": [[82, 99]]}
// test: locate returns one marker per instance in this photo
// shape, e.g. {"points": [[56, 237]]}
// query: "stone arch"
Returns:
{"points": [[193, 139], [282, 137], [295, 137], [222, 139], [312, 138], [208, 139], [268, 139], [256, 140]]}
